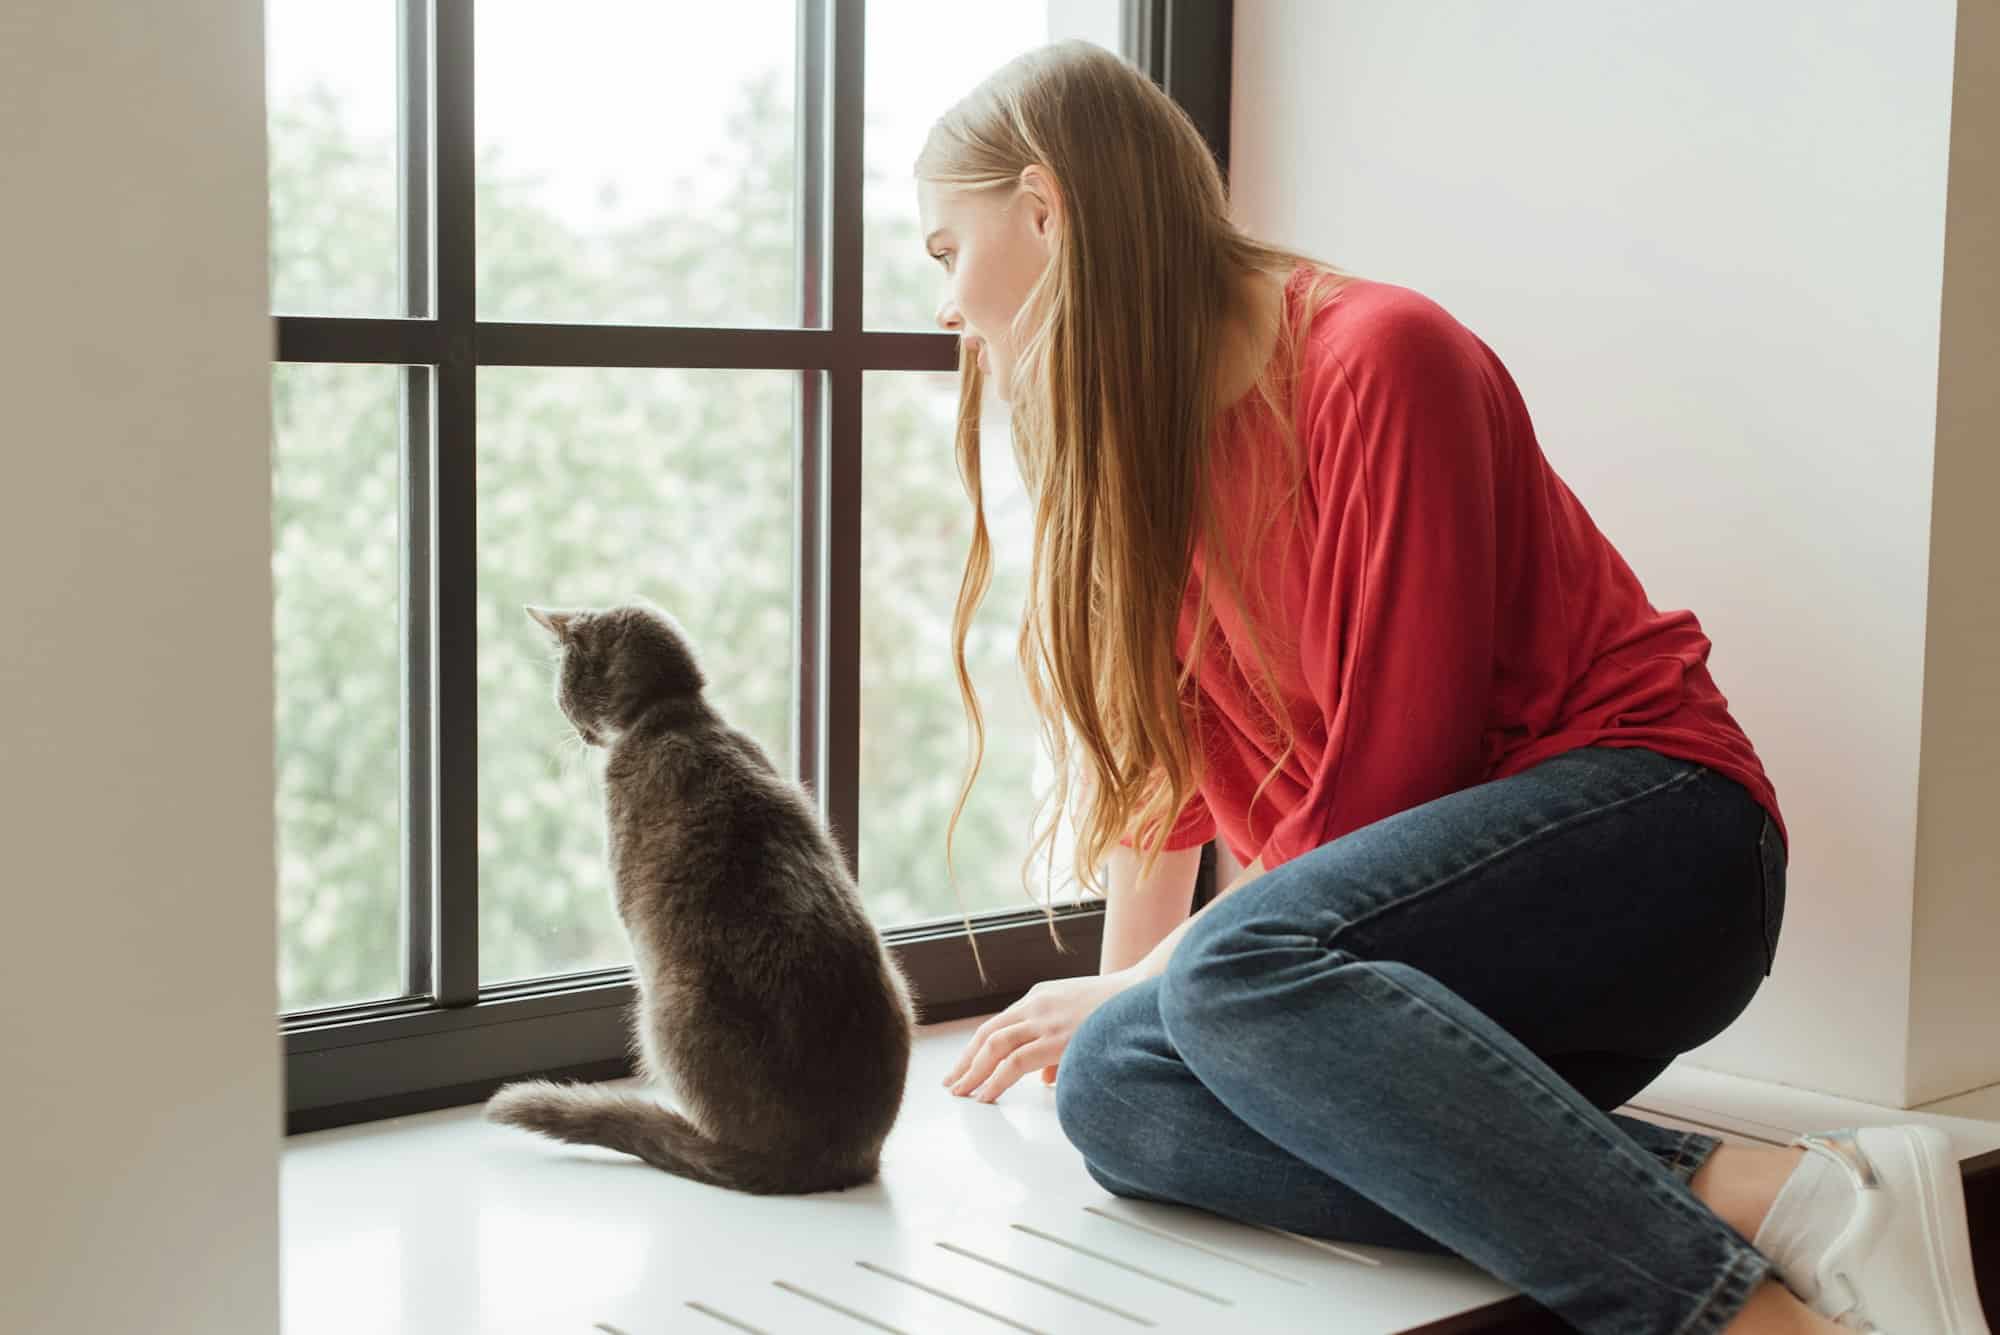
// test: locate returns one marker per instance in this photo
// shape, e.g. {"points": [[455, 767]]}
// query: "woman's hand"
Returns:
{"points": [[1031, 1034]]}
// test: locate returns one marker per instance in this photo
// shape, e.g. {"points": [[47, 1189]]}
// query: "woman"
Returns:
{"points": [[1302, 577]]}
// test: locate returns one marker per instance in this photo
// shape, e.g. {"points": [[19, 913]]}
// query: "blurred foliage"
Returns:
{"points": [[595, 485]]}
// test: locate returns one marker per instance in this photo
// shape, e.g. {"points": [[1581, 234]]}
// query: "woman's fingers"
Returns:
{"points": [[1016, 1064], [994, 1023], [998, 1046]]}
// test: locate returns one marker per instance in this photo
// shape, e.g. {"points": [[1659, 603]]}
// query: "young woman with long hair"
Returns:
{"points": [[1303, 579]]}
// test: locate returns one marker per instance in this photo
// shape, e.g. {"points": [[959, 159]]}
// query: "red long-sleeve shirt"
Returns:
{"points": [[1458, 616]]}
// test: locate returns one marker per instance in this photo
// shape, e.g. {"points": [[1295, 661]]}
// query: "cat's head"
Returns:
{"points": [[616, 663]]}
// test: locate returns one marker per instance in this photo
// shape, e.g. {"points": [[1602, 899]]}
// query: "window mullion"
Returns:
{"points": [[455, 476], [809, 470], [841, 731], [413, 212], [1193, 67]]}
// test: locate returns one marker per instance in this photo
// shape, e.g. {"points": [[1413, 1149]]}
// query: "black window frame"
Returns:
{"points": [[453, 1040]]}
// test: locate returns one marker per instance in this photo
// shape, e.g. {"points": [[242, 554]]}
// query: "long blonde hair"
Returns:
{"points": [[1113, 413]]}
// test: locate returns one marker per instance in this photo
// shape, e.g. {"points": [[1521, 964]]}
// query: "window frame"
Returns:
{"points": [[453, 1040]]}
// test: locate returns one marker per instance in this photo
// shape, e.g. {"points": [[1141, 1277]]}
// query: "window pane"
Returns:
{"points": [[331, 85], [596, 486], [916, 527], [913, 78], [335, 497], [636, 162]]}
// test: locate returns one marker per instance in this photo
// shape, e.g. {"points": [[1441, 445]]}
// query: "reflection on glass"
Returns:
{"points": [[596, 486], [332, 108], [636, 162], [916, 527], [335, 495]]}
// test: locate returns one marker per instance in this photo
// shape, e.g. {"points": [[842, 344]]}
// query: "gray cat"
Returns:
{"points": [[766, 999]]}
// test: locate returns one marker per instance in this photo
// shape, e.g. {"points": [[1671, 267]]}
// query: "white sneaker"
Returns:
{"points": [[1870, 1231]]}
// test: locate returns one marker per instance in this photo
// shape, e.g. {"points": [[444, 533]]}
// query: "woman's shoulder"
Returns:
{"points": [[1373, 340], [1368, 321]]}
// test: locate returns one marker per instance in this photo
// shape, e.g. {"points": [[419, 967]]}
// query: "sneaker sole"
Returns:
{"points": [[1941, 1189]]}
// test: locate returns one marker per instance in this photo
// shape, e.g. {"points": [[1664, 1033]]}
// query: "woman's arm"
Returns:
{"points": [[1137, 915], [1032, 1033], [1155, 960]]}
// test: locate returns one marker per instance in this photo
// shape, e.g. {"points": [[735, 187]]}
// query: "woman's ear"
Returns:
{"points": [[1045, 199]]}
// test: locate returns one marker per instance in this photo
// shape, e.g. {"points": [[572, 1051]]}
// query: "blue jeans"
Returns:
{"points": [[1410, 1037]]}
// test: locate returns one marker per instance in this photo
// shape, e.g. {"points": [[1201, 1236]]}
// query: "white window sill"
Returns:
{"points": [[443, 1222]]}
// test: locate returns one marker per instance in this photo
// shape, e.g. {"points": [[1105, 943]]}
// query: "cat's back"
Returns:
{"points": [[727, 866], [699, 779], [770, 987]]}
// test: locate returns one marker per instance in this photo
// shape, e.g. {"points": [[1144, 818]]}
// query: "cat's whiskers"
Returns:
{"points": [[568, 744]]}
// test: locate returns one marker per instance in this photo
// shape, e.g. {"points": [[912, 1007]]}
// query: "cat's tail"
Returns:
{"points": [[633, 1124]]}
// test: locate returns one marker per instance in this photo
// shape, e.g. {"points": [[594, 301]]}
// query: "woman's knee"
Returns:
{"points": [[1118, 1142], [1195, 985]]}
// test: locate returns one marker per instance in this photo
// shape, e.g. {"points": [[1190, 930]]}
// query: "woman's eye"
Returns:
{"points": [[942, 257]]}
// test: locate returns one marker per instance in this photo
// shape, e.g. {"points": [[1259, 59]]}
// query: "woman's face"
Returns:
{"points": [[993, 245]]}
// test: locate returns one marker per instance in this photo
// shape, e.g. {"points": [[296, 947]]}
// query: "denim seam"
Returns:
{"points": [[1539, 832], [1679, 1203], [1729, 1294], [1692, 1153]]}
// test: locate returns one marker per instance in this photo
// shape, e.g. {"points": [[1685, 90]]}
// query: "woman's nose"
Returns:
{"points": [[948, 317]]}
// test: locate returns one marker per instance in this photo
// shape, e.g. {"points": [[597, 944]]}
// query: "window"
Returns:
{"points": [[583, 303]]}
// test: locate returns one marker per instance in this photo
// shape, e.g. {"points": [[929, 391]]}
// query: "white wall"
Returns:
{"points": [[1708, 239], [1955, 995], [141, 1117]]}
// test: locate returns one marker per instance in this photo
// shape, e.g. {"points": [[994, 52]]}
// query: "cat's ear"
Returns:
{"points": [[555, 622]]}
